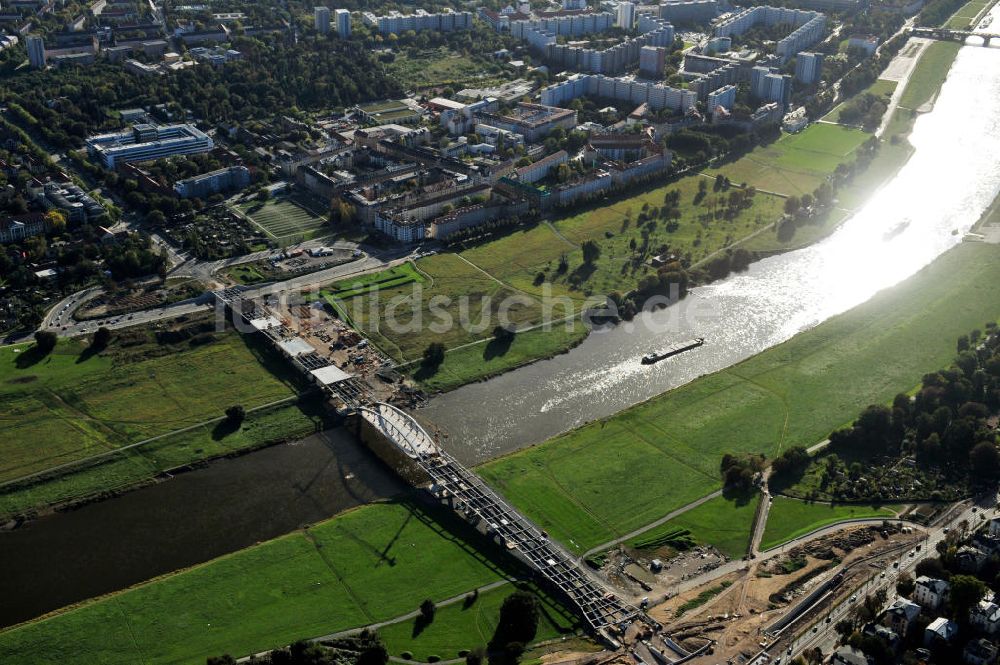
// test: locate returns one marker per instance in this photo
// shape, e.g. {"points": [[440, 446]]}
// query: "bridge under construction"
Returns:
{"points": [[467, 494], [399, 440]]}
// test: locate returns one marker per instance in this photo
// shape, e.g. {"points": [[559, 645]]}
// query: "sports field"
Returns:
{"points": [[72, 404], [371, 564], [791, 518], [796, 164], [618, 474], [285, 219]]}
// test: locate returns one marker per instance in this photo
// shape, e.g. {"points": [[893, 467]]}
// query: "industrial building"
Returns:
{"points": [[769, 86], [76, 204], [321, 19], [343, 18], [657, 95], [689, 11], [36, 51], [808, 26], [808, 67], [652, 60], [532, 121], [724, 97], [233, 178], [396, 23], [145, 142], [626, 15]]}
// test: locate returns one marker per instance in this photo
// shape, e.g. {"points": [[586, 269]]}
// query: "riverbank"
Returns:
{"points": [[364, 566], [526, 261], [614, 475]]}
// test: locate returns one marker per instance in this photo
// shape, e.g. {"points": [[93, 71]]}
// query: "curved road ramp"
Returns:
{"points": [[403, 444]]}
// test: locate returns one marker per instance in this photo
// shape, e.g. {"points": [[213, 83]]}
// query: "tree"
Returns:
{"points": [[905, 584], [792, 205], [427, 610], [263, 195], [591, 252], [235, 415], [101, 338], [518, 621], [985, 460], [434, 354], [56, 221], [45, 341], [373, 654], [966, 591], [224, 659]]}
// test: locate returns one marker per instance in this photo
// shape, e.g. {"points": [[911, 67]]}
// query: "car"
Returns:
{"points": [[854, 598]]}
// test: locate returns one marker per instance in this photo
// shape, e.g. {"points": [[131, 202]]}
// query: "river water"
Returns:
{"points": [[234, 503], [940, 192], [228, 505]]}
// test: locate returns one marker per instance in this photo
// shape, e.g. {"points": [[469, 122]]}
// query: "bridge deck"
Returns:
{"points": [[483, 507]]}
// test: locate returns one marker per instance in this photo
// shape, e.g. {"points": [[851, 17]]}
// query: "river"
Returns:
{"points": [[233, 503], [196, 516], [940, 192]]}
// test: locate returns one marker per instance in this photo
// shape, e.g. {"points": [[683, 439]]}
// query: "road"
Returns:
{"points": [[902, 79], [59, 318], [824, 634]]}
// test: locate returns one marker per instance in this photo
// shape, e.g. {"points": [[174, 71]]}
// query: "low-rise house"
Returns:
{"points": [[940, 631], [980, 652], [886, 635], [848, 655], [19, 227], [970, 559], [930, 592], [901, 615], [985, 616]]}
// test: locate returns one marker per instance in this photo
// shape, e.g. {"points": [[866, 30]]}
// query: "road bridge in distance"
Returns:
{"points": [[946, 34]]}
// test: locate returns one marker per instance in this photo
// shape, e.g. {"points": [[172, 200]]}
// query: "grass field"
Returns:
{"points": [[932, 69], [796, 163], [518, 258], [285, 219], [615, 475], [791, 518], [722, 522], [367, 565], [72, 404], [460, 627], [118, 472], [879, 88], [437, 67], [962, 19]]}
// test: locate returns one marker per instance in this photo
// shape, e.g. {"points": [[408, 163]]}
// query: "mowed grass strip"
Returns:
{"points": [[791, 518], [615, 475], [72, 404], [368, 565]]}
